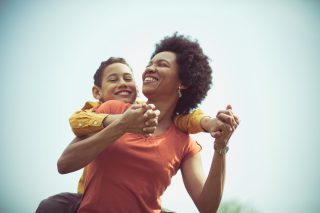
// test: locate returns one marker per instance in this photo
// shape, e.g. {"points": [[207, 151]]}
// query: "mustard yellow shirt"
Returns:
{"points": [[85, 122]]}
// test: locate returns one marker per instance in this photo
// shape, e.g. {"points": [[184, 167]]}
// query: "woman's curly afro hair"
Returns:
{"points": [[194, 70]]}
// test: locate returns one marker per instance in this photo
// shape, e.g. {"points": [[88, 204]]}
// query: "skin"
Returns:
{"points": [[117, 83]]}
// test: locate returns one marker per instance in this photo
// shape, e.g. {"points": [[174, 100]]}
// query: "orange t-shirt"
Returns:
{"points": [[131, 174]]}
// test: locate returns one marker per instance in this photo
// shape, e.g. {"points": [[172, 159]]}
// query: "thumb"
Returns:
{"points": [[229, 107], [136, 106]]}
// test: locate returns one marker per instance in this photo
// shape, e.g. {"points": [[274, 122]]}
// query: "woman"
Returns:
{"points": [[129, 172]]}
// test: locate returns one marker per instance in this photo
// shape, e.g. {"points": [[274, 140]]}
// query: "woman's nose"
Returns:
{"points": [[151, 68]]}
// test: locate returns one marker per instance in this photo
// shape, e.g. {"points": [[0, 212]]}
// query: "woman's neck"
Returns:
{"points": [[166, 110]]}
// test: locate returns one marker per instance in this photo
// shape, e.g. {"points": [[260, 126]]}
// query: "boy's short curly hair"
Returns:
{"points": [[98, 75], [194, 70]]}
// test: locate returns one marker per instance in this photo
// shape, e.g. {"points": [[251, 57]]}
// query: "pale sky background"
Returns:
{"points": [[265, 57]]}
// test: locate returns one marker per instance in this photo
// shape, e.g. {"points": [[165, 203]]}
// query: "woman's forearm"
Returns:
{"points": [[80, 152], [212, 191]]}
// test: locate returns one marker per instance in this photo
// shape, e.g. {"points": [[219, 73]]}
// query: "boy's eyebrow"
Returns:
{"points": [[116, 74]]}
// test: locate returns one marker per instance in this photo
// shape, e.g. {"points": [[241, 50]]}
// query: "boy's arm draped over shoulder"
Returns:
{"points": [[197, 121], [86, 121], [191, 122]]}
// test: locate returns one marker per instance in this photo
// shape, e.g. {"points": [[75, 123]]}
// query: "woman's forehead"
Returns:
{"points": [[166, 55]]}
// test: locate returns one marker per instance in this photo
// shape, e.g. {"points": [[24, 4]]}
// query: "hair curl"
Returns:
{"points": [[98, 75], [194, 70]]}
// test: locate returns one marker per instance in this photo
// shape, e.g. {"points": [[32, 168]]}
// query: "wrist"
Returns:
{"points": [[121, 125], [221, 149], [205, 123], [105, 121]]}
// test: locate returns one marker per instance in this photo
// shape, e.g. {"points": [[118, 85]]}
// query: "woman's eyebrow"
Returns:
{"points": [[163, 60]]}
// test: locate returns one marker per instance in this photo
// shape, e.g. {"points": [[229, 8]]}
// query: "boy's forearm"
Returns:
{"points": [[85, 122]]}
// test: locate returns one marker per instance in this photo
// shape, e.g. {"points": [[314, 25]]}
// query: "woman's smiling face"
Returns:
{"points": [[161, 75]]}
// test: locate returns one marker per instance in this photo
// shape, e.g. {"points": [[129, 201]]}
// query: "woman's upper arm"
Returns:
{"points": [[193, 176]]}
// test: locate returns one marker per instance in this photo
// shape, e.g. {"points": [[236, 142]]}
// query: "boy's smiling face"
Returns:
{"points": [[117, 83]]}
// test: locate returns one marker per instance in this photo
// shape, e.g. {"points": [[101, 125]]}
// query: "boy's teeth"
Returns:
{"points": [[124, 93]]}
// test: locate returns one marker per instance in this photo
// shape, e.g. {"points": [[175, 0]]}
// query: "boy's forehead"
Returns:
{"points": [[117, 68]]}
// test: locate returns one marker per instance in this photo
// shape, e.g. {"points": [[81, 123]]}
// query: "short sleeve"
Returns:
{"points": [[192, 147], [191, 122], [112, 107]]}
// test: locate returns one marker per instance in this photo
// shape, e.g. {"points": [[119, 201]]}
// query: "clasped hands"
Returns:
{"points": [[141, 118]]}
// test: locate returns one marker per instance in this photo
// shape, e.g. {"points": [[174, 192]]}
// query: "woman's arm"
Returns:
{"points": [[207, 193], [82, 151]]}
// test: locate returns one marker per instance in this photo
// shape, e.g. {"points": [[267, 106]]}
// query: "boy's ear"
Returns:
{"points": [[96, 92]]}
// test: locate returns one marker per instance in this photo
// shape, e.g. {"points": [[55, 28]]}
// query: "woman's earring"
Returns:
{"points": [[179, 92]]}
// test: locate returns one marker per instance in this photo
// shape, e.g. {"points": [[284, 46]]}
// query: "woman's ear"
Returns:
{"points": [[182, 86], [96, 92]]}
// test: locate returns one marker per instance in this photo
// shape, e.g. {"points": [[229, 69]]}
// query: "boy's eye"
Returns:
{"points": [[112, 79]]}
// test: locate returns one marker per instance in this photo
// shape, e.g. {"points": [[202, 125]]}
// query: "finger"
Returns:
{"points": [[136, 106], [150, 114], [227, 112], [229, 107], [151, 122], [149, 130], [148, 135], [151, 106], [216, 134], [145, 106], [157, 112], [237, 119], [227, 119]]}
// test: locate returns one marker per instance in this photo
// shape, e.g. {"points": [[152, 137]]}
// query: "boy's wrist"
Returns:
{"points": [[207, 124]]}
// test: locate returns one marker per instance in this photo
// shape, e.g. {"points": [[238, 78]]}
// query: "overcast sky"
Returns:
{"points": [[265, 57]]}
